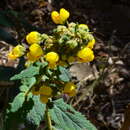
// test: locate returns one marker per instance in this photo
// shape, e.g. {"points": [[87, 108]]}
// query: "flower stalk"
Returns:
{"points": [[48, 118]]}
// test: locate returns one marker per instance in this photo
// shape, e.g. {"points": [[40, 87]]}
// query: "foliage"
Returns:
{"points": [[65, 117], [46, 76]]}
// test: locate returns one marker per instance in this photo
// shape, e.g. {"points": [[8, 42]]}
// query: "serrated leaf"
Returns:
{"points": [[64, 74], [13, 120], [42, 65], [17, 102], [27, 73], [66, 118], [23, 88], [36, 115], [27, 83]]}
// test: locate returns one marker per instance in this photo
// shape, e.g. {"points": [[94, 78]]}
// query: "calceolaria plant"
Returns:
{"points": [[45, 78]]}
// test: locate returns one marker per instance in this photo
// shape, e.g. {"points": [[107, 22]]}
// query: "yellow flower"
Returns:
{"points": [[91, 43], [55, 17], [64, 15], [85, 55], [33, 37], [45, 90], [44, 99], [31, 58], [52, 57], [35, 52], [70, 89], [60, 18], [16, 52], [11, 56]]}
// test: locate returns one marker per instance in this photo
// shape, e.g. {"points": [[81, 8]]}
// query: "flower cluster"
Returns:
{"points": [[46, 92], [67, 44], [60, 18]]}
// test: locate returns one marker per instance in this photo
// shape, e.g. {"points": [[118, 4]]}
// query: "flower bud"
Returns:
{"points": [[83, 27], [72, 44], [44, 36]]}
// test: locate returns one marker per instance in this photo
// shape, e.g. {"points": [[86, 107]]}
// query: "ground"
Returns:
{"points": [[104, 85]]}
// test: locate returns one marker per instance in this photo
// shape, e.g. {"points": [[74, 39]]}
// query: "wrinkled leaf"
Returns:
{"points": [[27, 73], [13, 120], [35, 116], [64, 74], [17, 102], [66, 118]]}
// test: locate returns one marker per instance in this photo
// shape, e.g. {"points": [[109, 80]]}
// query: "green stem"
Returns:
{"points": [[48, 118]]}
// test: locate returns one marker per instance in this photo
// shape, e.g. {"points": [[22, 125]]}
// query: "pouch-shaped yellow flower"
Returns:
{"points": [[70, 89], [64, 15], [33, 37], [85, 55], [44, 99], [60, 18], [16, 52], [52, 57], [45, 90], [35, 50], [55, 17]]}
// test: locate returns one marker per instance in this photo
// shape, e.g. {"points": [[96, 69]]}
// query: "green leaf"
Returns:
{"points": [[64, 74], [27, 73], [36, 115], [40, 64], [13, 120], [23, 88], [27, 84], [17, 102], [29, 81], [66, 118], [31, 112]]}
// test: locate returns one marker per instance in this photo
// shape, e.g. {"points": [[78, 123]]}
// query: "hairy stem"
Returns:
{"points": [[48, 118]]}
